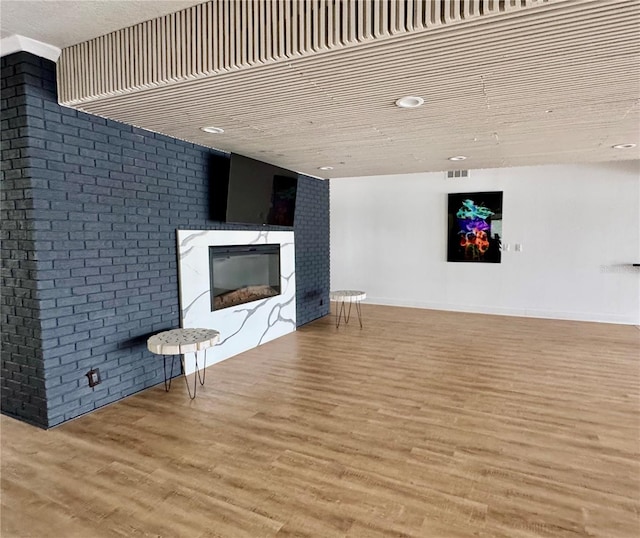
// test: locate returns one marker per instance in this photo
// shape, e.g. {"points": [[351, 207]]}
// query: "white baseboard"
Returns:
{"points": [[504, 311]]}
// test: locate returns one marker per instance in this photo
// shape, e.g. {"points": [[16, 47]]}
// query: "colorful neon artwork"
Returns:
{"points": [[475, 225], [469, 210]]}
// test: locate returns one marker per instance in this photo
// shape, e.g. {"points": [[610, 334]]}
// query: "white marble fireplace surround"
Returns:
{"points": [[244, 326]]}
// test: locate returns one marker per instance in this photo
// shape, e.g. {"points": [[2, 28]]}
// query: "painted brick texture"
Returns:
{"points": [[22, 372], [105, 200]]}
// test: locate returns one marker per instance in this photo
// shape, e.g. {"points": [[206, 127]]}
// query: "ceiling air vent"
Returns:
{"points": [[456, 174]]}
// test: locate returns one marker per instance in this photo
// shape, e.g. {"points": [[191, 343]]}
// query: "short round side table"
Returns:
{"points": [[178, 342], [349, 297]]}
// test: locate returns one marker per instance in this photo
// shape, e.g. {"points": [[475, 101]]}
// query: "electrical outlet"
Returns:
{"points": [[518, 247], [94, 377]]}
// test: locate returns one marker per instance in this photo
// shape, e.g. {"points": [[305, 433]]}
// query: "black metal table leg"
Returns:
{"points": [[359, 310], [197, 377], [204, 368], [186, 381], [348, 316], [344, 312], [167, 386]]}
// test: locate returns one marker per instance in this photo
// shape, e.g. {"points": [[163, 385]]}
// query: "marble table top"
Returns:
{"points": [[179, 341], [347, 295]]}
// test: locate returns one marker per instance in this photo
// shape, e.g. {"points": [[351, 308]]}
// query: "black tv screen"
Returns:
{"points": [[249, 191]]}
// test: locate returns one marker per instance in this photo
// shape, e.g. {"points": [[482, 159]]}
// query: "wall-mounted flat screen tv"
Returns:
{"points": [[244, 190]]}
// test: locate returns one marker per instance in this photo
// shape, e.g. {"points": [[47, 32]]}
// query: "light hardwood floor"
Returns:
{"points": [[424, 423]]}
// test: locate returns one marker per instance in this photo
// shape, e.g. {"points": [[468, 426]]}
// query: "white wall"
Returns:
{"points": [[579, 226]]}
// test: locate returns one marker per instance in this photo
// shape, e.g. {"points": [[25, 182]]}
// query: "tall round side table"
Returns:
{"points": [[178, 342], [349, 297]]}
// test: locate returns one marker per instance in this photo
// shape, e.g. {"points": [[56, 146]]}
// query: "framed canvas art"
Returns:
{"points": [[475, 227]]}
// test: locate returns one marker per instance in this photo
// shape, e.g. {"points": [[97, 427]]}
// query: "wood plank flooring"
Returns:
{"points": [[422, 424]]}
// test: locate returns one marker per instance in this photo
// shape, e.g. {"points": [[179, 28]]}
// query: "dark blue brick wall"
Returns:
{"points": [[312, 250], [106, 200], [22, 372]]}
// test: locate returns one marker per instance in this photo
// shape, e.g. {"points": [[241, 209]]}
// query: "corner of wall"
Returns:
{"points": [[94, 205]]}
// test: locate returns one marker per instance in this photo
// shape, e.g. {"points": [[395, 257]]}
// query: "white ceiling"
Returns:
{"points": [[545, 81], [63, 23]]}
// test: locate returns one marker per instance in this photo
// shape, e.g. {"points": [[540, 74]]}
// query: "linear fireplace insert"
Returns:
{"points": [[243, 273]]}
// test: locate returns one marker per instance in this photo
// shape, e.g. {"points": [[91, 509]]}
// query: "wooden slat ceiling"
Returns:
{"points": [[313, 83]]}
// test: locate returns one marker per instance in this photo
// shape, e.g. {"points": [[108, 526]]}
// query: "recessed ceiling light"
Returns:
{"points": [[623, 146], [325, 167], [457, 158], [410, 102], [212, 130]]}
